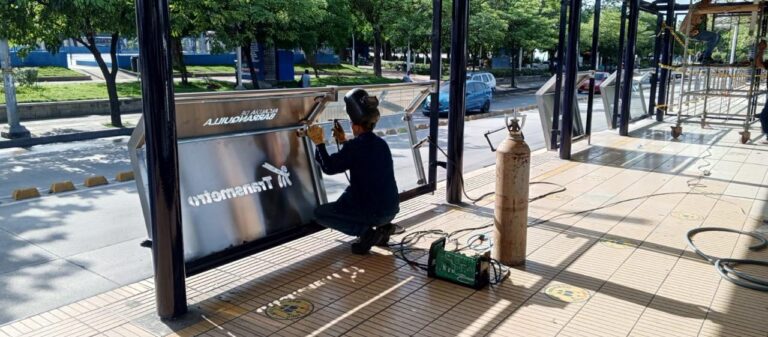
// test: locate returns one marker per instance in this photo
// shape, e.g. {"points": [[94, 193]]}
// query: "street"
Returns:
{"points": [[61, 248]]}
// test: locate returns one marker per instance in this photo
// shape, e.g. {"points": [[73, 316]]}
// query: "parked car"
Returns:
{"points": [[479, 97], [599, 78], [484, 77]]}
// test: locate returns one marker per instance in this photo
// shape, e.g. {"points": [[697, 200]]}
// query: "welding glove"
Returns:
{"points": [[315, 134]]}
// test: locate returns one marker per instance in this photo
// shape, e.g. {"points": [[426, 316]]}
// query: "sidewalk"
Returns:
{"points": [[620, 270]]}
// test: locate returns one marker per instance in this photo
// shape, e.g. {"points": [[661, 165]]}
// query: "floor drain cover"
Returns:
{"points": [[617, 243], [686, 216], [290, 309], [566, 293]]}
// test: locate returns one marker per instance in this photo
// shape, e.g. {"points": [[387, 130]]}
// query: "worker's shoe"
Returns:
{"points": [[386, 231], [370, 237]]}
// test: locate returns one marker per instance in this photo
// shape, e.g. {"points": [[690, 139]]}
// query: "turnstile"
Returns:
{"points": [[638, 108], [545, 100]]}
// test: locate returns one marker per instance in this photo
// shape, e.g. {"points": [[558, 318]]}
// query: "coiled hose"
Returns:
{"points": [[726, 266]]}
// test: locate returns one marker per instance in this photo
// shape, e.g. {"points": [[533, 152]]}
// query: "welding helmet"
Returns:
{"points": [[362, 108]]}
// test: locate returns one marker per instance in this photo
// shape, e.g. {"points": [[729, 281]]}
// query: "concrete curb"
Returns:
{"points": [[499, 112], [25, 193], [73, 137], [95, 181], [62, 186], [64, 78], [68, 186], [70, 109], [124, 176]]}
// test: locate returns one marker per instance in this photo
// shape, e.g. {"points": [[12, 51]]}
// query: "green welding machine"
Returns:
{"points": [[470, 271]]}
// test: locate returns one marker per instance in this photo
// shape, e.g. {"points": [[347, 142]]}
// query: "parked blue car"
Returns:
{"points": [[479, 97]]}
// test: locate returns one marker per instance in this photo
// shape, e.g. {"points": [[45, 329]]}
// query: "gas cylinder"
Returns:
{"points": [[513, 165]]}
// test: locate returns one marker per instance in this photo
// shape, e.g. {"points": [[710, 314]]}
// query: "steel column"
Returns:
{"points": [[666, 60], [559, 76], [457, 101], [153, 26], [593, 65], [434, 109], [615, 114], [571, 70], [655, 76], [629, 60]]}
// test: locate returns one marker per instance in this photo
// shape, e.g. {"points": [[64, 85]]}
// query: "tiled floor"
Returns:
{"points": [[629, 258]]}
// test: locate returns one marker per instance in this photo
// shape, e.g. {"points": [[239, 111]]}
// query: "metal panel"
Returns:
{"points": [[233, 191], [241, 189]]}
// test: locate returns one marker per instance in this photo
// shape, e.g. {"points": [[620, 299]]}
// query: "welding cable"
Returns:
{"points": [[499, 272], [642, 197], [401, 249], [726, 266], [560, 189], [338, 149], [405, 246]]}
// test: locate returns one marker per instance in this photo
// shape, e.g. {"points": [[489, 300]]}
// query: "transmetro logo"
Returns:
{"points": [[262, 185]]}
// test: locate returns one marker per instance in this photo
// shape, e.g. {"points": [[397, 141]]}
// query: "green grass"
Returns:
{"points": [[341, 69], [56, 72], [83, 91], [212, 69], [362, 80], [343, 81]]}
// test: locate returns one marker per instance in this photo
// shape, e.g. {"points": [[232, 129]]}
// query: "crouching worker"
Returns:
{"points": [[370, 202]]}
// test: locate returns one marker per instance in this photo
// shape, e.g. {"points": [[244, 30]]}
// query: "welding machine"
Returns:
{"points": [[470, 271]]}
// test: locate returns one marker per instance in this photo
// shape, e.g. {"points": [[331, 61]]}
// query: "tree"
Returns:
{"points": [[14, 18], [487, 24], [240, 23], [336, 28], [188, 17], [531, 24], [409, 24], [83, 21], [610, 26], [373, 13]]}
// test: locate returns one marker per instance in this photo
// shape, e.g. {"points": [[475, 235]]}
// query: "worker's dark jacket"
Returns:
{"points": [[372, 190]]}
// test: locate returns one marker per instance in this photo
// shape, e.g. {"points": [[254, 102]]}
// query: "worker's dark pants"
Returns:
{"points": [[764, 120], [710, 40], [348, 221]]}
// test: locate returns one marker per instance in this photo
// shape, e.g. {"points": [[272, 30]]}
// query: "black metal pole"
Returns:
{"points": [[666, 60], [559, 76], [434, 109], [457, 100], [655, 75], [593, 65], [571, 70], [153, 26], [615, 113], [629, 60]]}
